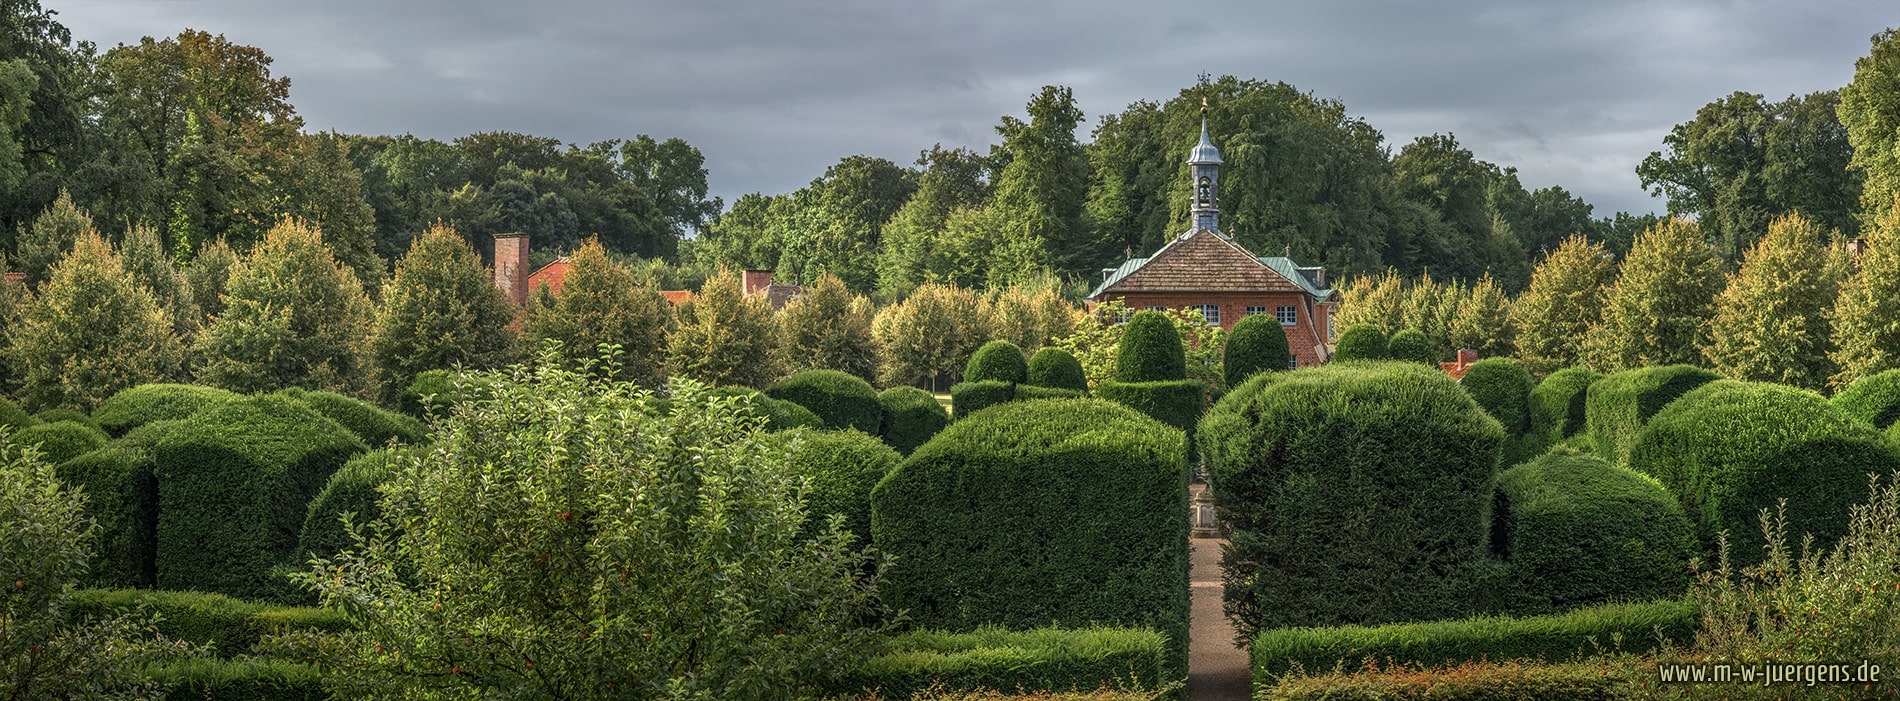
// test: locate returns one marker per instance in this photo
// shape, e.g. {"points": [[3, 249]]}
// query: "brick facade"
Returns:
{"points": [[1305, 337]]}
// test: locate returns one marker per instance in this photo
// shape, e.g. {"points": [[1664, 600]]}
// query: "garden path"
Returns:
{"points": [[1217, 670]]}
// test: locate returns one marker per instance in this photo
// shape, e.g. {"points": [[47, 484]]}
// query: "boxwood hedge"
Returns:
{"points": [[1054, 367], [229, 626], [135, 406], [1044, 659], [911, 416], [61, 440], [1353, 493], [840, 399], [1618, 405], [376, 426], [1874, 399], [1257, 343], [12, 416], [351, 489], [778, 415], [1414, 346], [65, 414], [1066, 512], [1557, 404], [1035, 392], [1177, 403], [122, 498], [967, 398], [1468, 681], [997, 360], [251, 679], [1729, 449], [843, 467], [1150, 350], [234, 485], [431, 391], [1502, 388], [1360, 342], [1575, 531]]}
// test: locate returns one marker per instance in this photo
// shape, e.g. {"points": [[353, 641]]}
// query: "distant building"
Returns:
{"points": [[513, 278]]}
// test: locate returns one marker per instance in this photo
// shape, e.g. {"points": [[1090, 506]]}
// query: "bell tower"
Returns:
{"points": [[1204, 161]]}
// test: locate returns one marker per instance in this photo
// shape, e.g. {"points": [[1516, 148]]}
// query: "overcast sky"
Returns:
{"points": [[1571, 93]]}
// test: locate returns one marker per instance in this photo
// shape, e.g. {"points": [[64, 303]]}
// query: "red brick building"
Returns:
{"points": [[512, 276], [1206, 270]]}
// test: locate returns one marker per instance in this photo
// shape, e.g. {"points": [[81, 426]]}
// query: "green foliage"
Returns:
{"points": [[1617, 406], [442, 309], [1564, 301], [1056, 368], [1557, 406], [53, 233], [1028, 314], [911, 417], [376, 426], [1658, 311], [234, 484], [432, 391], [1874, 399], [92, 331], [61, 440], [207, 276], [967, 398], [1771, 321], [352, 490], [122, 500], [1865, 338], [1413, 345], [11, 416], [1150, 350], [952, 179], [1482, 321], [133, 407], [1576, 531], [1071, 512], [293, 317], [1870, 113], [1035, 392], [779, 414], [840, 399], [1001, 361], [1096, 343], [1729, 449], [1470, 681], [240, 680], [933, 332], [1043, 659], [843, 467], [1257, 343], [1361, 342], [222, 625], [48, 416], [1502, 388], [725, 337], [828, 328], [1177, 403], [1353, 492], [601, 303]]}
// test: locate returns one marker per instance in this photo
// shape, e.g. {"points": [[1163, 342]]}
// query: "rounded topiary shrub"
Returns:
{"points": [[1618, 405], [911, 416], [843, 467], [61, 440], [135, 406], [840, 399], [967, 398], [12, 416], [997, 360], [376, 426], [64, 414], [1874, 399], [1413, 345], [1354, 493], [1729, 449], [1072, 512], [351, 489], [1257, 343], [432, 391], [778, 415], [1502, 388], [122, 498], [234, 486], [1361, 342], [1576, 531], [1054, 367], [1557, 404], [1150, 350]]}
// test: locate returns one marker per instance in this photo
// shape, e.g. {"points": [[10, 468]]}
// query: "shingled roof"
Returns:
{"points": [[1205, 261]]}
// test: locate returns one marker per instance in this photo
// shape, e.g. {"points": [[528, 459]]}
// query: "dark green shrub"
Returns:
{"points": [[840, 399], [1177, 403], [135, 406], [1562, 637], [1257, 343], [1413, 345], [911, 416], [147, 436], [1618, 405], [1150, 350], [1874, 399], [1557, 404], [1065, 512], [432, 391], [1054, 367], [1355, 493], [967, 398], [249, 679], [122, 498], [1729, 449], [1361, 342], [377, 427], [64, 414], [1469, 681], [1044, 659], [12, 416], [61, 440], [234, 485], [1035, 392], [843, 467], [1574, 531], [997, 360], [1502, 388], [353, 490], [228, 626], [778, 415]]}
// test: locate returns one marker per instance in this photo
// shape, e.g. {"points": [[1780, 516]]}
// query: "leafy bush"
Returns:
{"points": [[91, 331], [1557, 404], [1150, 350], [377, 427], [240, 680], [1043, 659], [64, 414], [911, 416], [293, 317], [840, 399], [221, 624], [1618, 405], [432, 391], [12, 416], [843, 466], [234, 484], [1502, 388], [352, 489], [1729, 449], [122, 499], [1257, 343], [1470, 681], [1575, 530], [60, 441], [779, 415], [1874, 399], [997, 360], [1361, 342], [136, 406], [1072, 512], [967, 398], [1034, 392], [1354, 493], [1414, 346], [1054, 367], [1177, 403]]}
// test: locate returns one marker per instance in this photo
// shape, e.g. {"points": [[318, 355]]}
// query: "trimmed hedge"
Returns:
{"points": [[1054, 367], [136, 406], [778, 415], [997, 360], [843, 467], [1412, 345], [1502, 388], [1150, 350], [1618, 405], [1557, 638], [1471, 681], [376, 426], [1035, 392], [1177, 403], [840, 399], [1063, 512], [229, 626], [352, 489], [239, 680], [1355, 493], [432, 391], [1874, 399], [12, 416], [967, 398], [1576, 531], [122, 498], [1044, 659], [61, 440], [234, 486], [64, 414], [1361, 342], [1557, 404], [1729, 449], [1257, 343], [911, 416]]}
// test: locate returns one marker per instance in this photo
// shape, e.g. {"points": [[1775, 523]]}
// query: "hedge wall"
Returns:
{"points": [[61, 440], [234, 486], [229, 626], [997, 360], [1035, 392], [1618, 405], [1360, 342], [840, 399], [377, 427], [12, 416], [1729, 449], [1177, 403], [1471, 681], [351, 489], [135, 406], [843, 467], [122, 498], [64, 414], [1150, 350], [1576, 531], [1064, 512], [1044, 659], [1354, 493], [1257, 343], [911, 416], [1557, 404], [1874, 399], [967, 398], [239, 680], [1502, 388], [1054, 367], [1413, 345]]}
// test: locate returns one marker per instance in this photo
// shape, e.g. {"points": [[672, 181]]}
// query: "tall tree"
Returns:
{"points": [[836, 224], [1870, 111], [92, 331], [1866, 337], [725, 337], [1564, 301], [207, 275], [601, 303], [828, 328], [1439, 173], [931, 334], [44, 129], [145, 259], [441, 309], [1771, 322], [293, 317], [1042, 188], [50, 237], [1482, 321], [16, 101], [1659, 309], [913, 239]]}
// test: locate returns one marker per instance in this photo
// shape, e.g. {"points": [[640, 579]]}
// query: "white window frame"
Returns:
{"points": [[1283, 320], [1255, 310], [1209, 313]]}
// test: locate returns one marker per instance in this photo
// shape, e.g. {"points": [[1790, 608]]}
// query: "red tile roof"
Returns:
{"points": [[552, 275]]}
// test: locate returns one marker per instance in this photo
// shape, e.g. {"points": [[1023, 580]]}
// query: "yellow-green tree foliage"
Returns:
{"points": [[1564, 301], [1771, 321], [92, 331], [52, 234], [601, 302], [206, 275], [725, 337], [293, 317], [1866, 318], [1028, 316], [442, 309], [1870, 111], [932, 332], [828, 328], [145, 258], [1482, 320], [1374, 300], [1658, 311]]}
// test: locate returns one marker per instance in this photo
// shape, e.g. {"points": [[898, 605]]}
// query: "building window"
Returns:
{"points": [[1210, 312], [1256, 310], [1123, 315], [1157, 309], [1288, 315], [1292, 363]]}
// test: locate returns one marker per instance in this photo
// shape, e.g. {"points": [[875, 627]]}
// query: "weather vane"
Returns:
{"points": [[1203, 78]]}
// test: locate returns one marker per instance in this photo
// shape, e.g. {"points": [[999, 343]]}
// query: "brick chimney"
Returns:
{"points": [[757, 280], [511, 266]]}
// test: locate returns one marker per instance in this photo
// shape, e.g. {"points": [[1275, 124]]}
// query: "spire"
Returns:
{"points": [[1204, 162]]}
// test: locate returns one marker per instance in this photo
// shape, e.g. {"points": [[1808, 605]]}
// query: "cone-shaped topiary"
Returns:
{"points": [[840, 399], [1057, 368], [293, 317], [1150, 350], [911, 416], [997, 360], [1257, 343], [92, 331], [601, 302], [442, 309], [1361, 342], [1414, 346], [1874, 399]]}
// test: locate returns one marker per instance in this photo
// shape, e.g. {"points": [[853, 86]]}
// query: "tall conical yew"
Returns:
{"points": [[1771, 321], [1150, 350], [828, 329], [600, 302], [1658, 311], [1866, 335], [441, 309], [1564, 300], [725, 337], [293, 317], [92, 331]]}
